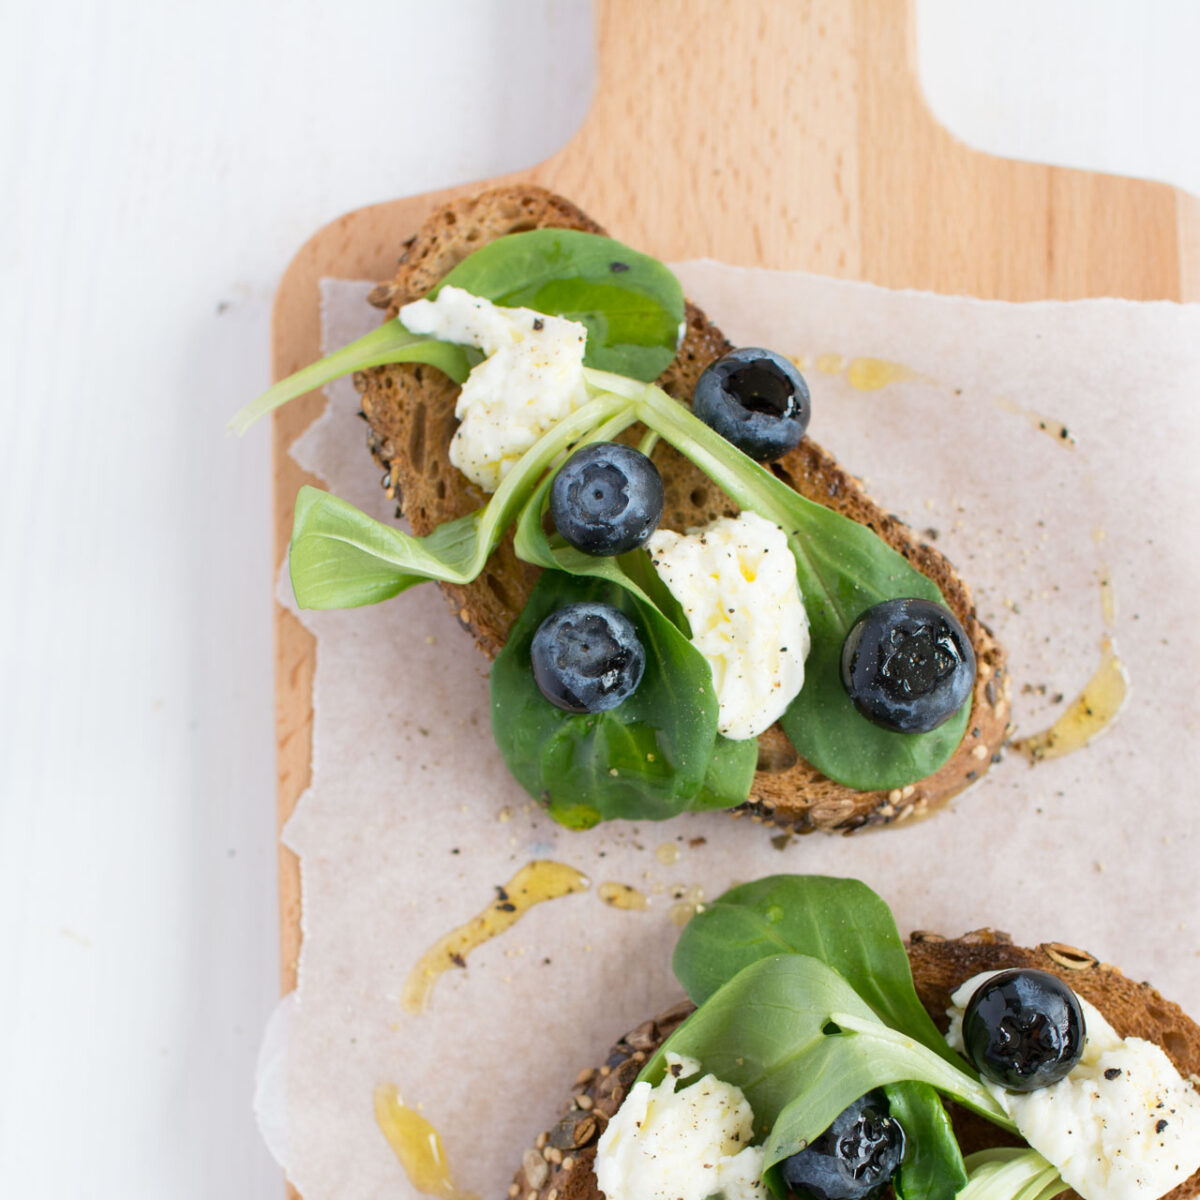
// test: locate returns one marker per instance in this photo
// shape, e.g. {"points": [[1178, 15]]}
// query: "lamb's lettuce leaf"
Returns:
{"points": [[342, 558], [651, 757], [840, 921], [631, 304], [390, 343], [933, 1167], [803, 1046], [847, 926], [1011, 1173]]}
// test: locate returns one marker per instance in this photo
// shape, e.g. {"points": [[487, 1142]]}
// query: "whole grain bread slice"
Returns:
{"points": [[410, 411], [559, 1164]]}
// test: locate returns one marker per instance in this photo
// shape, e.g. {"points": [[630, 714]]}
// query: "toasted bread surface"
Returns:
{"points": [[559, 1164], [410, 410]]}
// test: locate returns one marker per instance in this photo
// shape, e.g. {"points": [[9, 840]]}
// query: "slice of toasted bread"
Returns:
{"points": [[410, 409], [559, 1165]]}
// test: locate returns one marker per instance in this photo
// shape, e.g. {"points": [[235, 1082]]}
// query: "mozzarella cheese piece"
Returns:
{"points": [[1123, 1125], [531, 378], [663, 1144], [736, 581]]}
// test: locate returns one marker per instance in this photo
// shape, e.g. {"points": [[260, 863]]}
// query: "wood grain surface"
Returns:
{"points": [[775, 133]]}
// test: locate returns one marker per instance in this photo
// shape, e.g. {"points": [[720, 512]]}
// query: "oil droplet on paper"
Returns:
{"points": [[871, 374], [830, 364], [863, 374], [534, 883], [1108, 597], [667, 854], [1088, 715], [622, 895], [1042, 423], [688, 902], [417, 1144]]}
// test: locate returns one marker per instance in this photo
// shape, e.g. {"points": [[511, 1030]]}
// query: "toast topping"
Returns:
{"points": [[531, 378], [1122, 1125], [690, 1144], [803, 997], [736, 581], [654, 755]]}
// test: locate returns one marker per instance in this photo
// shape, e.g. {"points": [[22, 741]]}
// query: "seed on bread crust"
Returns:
{"points": [[939, 966], [410, 410]]}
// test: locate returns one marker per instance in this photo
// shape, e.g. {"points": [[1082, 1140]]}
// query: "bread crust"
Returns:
{"points": [[410, 412], [559, 1165]]}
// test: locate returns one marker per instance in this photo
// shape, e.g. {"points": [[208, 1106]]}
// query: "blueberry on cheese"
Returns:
{"points": [[1023, 1030], [1123, 1124]]}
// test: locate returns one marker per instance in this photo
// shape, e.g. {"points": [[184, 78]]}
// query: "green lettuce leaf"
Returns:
{"points": [[646, 759], [631, 304]]}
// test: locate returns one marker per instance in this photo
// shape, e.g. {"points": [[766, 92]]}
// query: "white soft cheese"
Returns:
{"points": [[663, 1144], [1123, 1125], [531, 378], [736, 581]]}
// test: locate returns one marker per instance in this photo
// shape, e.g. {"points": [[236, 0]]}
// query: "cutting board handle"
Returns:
{"points": [[724, 129]]}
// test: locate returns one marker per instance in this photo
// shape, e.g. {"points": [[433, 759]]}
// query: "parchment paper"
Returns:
{"points": [[412, 818]]}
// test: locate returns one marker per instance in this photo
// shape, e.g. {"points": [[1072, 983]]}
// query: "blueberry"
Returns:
{"points": [[1023, 1030], [854, 1158], [908, 665], [587, 657], [755, 399], [607, 498]]}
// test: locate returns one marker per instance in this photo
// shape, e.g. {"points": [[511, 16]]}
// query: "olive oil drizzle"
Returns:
{"points": [[534, 883], [623, 896], [417, 1145], [689, 901], [1053, 429], [1089, 714], [871, 374], [1097, 706], [862, 374]]}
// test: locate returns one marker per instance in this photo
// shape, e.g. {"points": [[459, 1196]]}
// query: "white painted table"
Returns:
{"points": [[161, 165]]}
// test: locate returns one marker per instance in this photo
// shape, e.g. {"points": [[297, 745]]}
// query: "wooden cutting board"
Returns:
{"points": [[776, 133]]}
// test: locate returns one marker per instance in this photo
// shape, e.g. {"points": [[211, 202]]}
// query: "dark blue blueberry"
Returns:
{"points": [[607, 499], [908, 665], [755, 399], [587, 657], [1023, 1030], [854, 1158]]}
